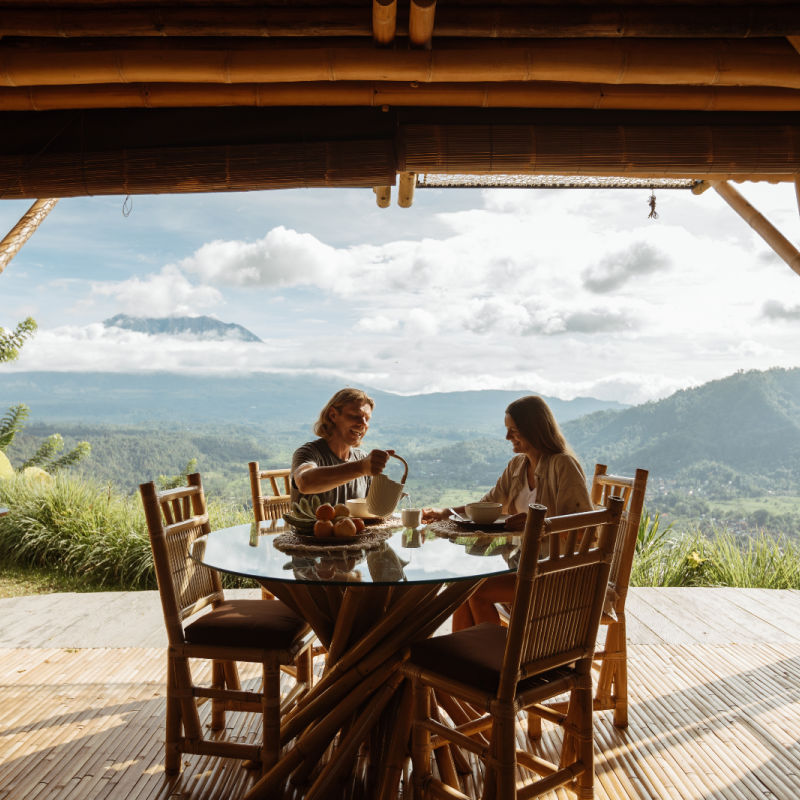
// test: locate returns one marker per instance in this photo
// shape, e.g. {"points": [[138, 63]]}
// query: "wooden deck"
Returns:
{"points": [[715, 702]]}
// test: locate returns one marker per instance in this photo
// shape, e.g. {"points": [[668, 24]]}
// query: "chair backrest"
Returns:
{"points": [[632, 491], [274, 505], [175, 519], [558, 600]]}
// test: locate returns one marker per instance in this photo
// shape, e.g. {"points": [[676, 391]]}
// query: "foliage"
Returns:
{"points": [[696, 559], [173, 482], [81, 528], [12, 341], [12, 422]]}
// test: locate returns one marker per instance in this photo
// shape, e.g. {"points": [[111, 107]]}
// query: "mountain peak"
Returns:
{"points": [[196, 327]]}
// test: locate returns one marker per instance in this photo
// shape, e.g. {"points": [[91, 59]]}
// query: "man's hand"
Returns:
{"points": [[375, 461]]}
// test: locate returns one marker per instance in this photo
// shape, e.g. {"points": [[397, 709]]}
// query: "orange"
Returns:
{"points": [[359, 523], [325, 511], [323, 528]]}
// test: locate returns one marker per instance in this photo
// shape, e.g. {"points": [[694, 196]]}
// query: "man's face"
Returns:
{"points": [[351, 422]]}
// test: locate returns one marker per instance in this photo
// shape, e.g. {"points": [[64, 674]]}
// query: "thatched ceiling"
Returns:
{"points": [[100, 97]]}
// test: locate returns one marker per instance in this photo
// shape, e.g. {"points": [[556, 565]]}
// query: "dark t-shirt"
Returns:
{"points": [[318, 453]]}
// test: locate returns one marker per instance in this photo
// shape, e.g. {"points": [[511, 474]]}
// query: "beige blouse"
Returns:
{"points": [[560, 485]]}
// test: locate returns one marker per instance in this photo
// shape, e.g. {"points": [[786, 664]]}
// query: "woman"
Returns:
{"points": [[545, 471]]}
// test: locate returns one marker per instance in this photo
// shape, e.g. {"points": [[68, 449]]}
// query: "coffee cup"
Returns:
{"points": [[411, 517]]}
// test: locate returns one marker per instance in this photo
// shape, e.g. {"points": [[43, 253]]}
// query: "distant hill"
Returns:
{"points": [[197, 327], [748, 422], [279, 402]]}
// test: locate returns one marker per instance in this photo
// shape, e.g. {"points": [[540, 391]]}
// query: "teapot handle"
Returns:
{"points": [[405, 464]]}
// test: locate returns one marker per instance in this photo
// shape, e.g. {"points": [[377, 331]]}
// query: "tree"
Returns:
{"points": [[46, 457]]}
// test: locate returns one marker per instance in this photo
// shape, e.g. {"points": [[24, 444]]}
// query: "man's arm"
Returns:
{"points": [[311, 479]]}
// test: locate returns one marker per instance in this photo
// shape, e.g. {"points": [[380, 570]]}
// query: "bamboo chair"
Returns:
{"points": [[611, 662], [270, 506], [258, 631], [545, 651]]}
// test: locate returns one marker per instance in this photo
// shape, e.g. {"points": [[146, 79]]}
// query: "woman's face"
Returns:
{"points": [[519, 443]]}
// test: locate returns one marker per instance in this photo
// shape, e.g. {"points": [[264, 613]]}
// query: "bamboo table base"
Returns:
{"points": [[349, 736]]}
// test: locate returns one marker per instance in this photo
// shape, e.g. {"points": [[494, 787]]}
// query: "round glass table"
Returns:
{"points": [[349, 736]]}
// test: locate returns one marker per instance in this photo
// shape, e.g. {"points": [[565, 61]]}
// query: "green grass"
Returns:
{"points": [[74, 529]]}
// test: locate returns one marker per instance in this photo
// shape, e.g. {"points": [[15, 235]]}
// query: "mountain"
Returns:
{"points": [[280, 402], [197, 327], [748, 422]]}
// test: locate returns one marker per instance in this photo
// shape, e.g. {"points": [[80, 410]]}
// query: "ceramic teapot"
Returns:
{"points": [[384, 494]]}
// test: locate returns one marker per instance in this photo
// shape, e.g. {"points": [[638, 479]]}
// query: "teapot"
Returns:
{"points": [[384, 494]]}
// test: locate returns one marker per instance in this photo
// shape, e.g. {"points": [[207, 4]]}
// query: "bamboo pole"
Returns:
{"points": [[405, 189], [12, 242], [375, 94], [760, 224], [384, 21], [565, 20], [797, 191], [794, 41], [625, 61], [421, 15], [383, 196]]}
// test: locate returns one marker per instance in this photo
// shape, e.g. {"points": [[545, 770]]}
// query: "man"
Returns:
{"points": [[334, 467]]}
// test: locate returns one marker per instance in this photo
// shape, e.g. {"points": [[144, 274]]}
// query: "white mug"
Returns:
{"points": [[411, 517]]}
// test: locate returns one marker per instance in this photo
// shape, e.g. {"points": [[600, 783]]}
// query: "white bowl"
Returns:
{"points": [[358, 507], [483, 513]]}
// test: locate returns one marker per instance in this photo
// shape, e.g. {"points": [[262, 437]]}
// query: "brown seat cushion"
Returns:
{"points": [[247, 623], [473, 656]]}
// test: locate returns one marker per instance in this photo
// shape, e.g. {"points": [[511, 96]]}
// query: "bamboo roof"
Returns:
{"points": [[139, 96]]}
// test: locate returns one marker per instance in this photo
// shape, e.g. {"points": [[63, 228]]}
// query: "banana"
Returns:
{"points": [[306, 507], [315, 502], [299, 510], [304, 523]]}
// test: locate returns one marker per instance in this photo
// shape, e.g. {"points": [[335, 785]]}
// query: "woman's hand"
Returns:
{"points": [[516, 522], [435, 514]]}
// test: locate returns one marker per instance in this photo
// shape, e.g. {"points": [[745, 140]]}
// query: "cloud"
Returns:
{"points": [[377, 324], [775, 310], [616, 269], [281, 258], [167, 293]]}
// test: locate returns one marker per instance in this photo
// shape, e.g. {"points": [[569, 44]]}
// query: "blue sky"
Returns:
{"points": [[565, 292]]}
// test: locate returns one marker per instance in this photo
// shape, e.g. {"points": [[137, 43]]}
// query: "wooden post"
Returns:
{"points": [[797, 191], [760, 224], [405, 190], [383, 195]]}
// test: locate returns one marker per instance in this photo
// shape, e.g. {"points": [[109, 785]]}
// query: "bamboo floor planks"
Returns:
{"points": [[714, 713]]}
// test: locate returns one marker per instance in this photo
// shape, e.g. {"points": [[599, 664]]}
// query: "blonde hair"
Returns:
{"points": [[322, 427], [536, 423]]}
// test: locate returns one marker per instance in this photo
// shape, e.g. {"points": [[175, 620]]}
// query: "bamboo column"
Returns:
{"points": [[12, 242], [383, 195], [797, 191], [405, 189], [421, 14], [384, 21], [760, 224]]}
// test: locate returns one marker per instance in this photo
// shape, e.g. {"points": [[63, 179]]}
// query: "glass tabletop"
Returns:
{"points": [[406, 556]]}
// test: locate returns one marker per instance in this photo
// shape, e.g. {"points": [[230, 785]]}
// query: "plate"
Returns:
{"points": [[469, 525]]}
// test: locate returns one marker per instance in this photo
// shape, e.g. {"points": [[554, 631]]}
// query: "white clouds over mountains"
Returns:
{"points": [[566, 292]]}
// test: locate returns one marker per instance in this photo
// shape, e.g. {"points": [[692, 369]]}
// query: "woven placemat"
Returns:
{"points": [[296, 543]]}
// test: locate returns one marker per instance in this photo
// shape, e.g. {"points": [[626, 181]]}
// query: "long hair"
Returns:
{"points": [[536, 423], [323, 427]]}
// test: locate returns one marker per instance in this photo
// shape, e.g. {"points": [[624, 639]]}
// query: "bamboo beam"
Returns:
{"points": [[533, 94], [794, 41], [384, 21], [520, 21], [658, 62], [797, 191], [421, 15], [760, 224], [405, 189]]}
